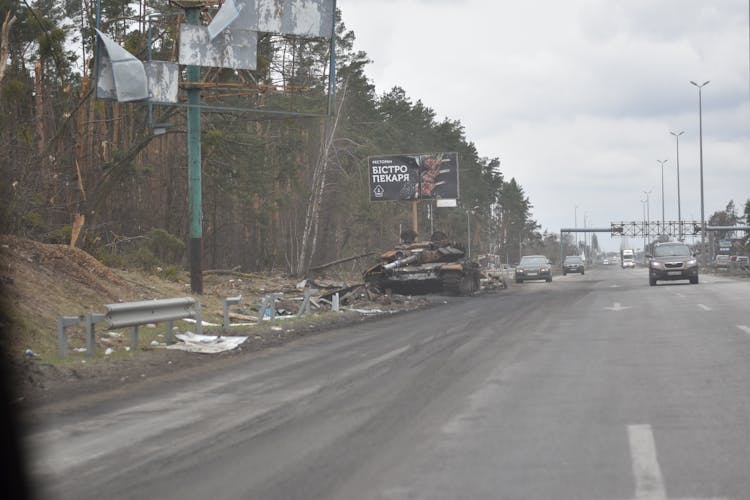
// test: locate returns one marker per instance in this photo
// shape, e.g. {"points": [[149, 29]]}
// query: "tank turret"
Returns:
{"points": [[434, 266]]}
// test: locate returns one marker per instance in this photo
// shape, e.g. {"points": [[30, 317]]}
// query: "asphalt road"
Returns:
{"points": [[590, 387]]}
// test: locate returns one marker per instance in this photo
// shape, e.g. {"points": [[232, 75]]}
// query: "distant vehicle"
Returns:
{"points": [[533, 267], [605, 262], [672, 261], [573, 264], [627, 258], [721, 261], [743, 261]]}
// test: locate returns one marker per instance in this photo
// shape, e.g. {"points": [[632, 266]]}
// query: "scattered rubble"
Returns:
{"points": [[43, 282]]}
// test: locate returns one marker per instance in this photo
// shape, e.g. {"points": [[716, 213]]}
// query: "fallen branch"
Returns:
{"points": [[340, 261]]}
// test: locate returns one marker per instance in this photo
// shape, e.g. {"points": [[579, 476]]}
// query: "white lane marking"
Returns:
{"points": [[617, 307], [744, 328], [705, 307], [649, 483]]}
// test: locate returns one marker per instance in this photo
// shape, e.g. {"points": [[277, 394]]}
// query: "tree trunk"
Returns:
{"points": [[4, 37], [312, 219]]}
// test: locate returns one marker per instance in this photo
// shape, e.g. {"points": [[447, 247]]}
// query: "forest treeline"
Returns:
{"points": [[285, 184]]}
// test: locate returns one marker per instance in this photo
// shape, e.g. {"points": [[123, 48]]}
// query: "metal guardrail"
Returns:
{"points": [[133, 315]]}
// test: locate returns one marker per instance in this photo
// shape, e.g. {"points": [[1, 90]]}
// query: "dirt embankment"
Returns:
{"points": [[40, 282]]}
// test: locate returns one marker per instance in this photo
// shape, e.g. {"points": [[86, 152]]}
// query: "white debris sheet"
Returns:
{"points": [[207, 344]]}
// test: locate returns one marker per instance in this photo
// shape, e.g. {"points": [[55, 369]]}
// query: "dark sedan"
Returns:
{"points": [[573, 264], [533, 267]]}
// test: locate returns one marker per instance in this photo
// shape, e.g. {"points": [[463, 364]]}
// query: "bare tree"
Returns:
{"points": [[4, 36], [312, 219]]}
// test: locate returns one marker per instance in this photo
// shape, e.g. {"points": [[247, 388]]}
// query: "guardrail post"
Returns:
{"points": [[198, 318], [62, 339], [262, 308], [170, 332], [305, 307], [89, 334], [335, 302], [268, 302], [91, 319], [227, 302], [134, 338]]}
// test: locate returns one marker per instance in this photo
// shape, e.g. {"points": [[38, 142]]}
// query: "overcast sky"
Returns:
{"points": [[578, 97]]}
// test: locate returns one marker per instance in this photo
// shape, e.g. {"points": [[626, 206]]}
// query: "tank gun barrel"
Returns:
{"points": [[402, 262]]}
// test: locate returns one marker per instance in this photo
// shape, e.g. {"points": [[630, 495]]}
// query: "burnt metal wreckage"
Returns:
{"points": [[435, 266]]}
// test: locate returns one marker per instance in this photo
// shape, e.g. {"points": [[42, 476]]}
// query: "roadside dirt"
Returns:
{"points": [[39, 283]]}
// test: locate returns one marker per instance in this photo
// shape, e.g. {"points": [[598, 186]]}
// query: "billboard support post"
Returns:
{"points": [[194, 168], [414, 218]]}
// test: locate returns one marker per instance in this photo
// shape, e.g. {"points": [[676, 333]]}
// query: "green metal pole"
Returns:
{"points": [[332, 67], [194, 168]]}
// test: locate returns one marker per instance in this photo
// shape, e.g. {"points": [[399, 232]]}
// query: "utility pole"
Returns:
{"points": [[193, 74]]}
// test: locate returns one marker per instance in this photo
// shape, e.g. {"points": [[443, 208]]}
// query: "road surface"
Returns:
{"points": [[589, 387]]}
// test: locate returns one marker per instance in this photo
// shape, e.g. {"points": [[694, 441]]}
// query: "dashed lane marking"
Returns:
{"points": [[617, 307], [705, 307], [649, 482]]}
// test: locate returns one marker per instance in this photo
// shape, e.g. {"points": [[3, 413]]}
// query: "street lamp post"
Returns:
{"points": [[647, 231], [585, 235], [679, 204], [700, 142], [663, 223], [575, 223], [643, 205]]}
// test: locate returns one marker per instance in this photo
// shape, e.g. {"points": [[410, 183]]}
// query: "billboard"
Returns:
{"points": [[234, 49], [413, 177], [310, 18]]}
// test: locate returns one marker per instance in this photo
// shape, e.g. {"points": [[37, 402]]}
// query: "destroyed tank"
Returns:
{"points": [[435, 266]]}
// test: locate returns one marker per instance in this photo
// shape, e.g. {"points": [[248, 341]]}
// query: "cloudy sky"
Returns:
{"points": [[578, 97]]}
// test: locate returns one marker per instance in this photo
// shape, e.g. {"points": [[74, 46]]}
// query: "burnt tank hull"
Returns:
{"points": [[437, 266]]}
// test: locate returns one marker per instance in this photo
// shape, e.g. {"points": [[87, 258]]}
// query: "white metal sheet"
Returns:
{"points": [[163, 81], [228, 12], [312, 18], [233, 48], [122, 74]]}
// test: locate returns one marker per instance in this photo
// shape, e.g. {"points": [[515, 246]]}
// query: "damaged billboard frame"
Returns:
{"points": [[411, 177], [228, 41]]}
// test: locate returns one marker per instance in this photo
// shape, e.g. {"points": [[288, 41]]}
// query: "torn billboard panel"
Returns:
{"points": [[163, 81], [413, 177], [120, 75], [312, 18], [233, 48], [228, 12]]}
